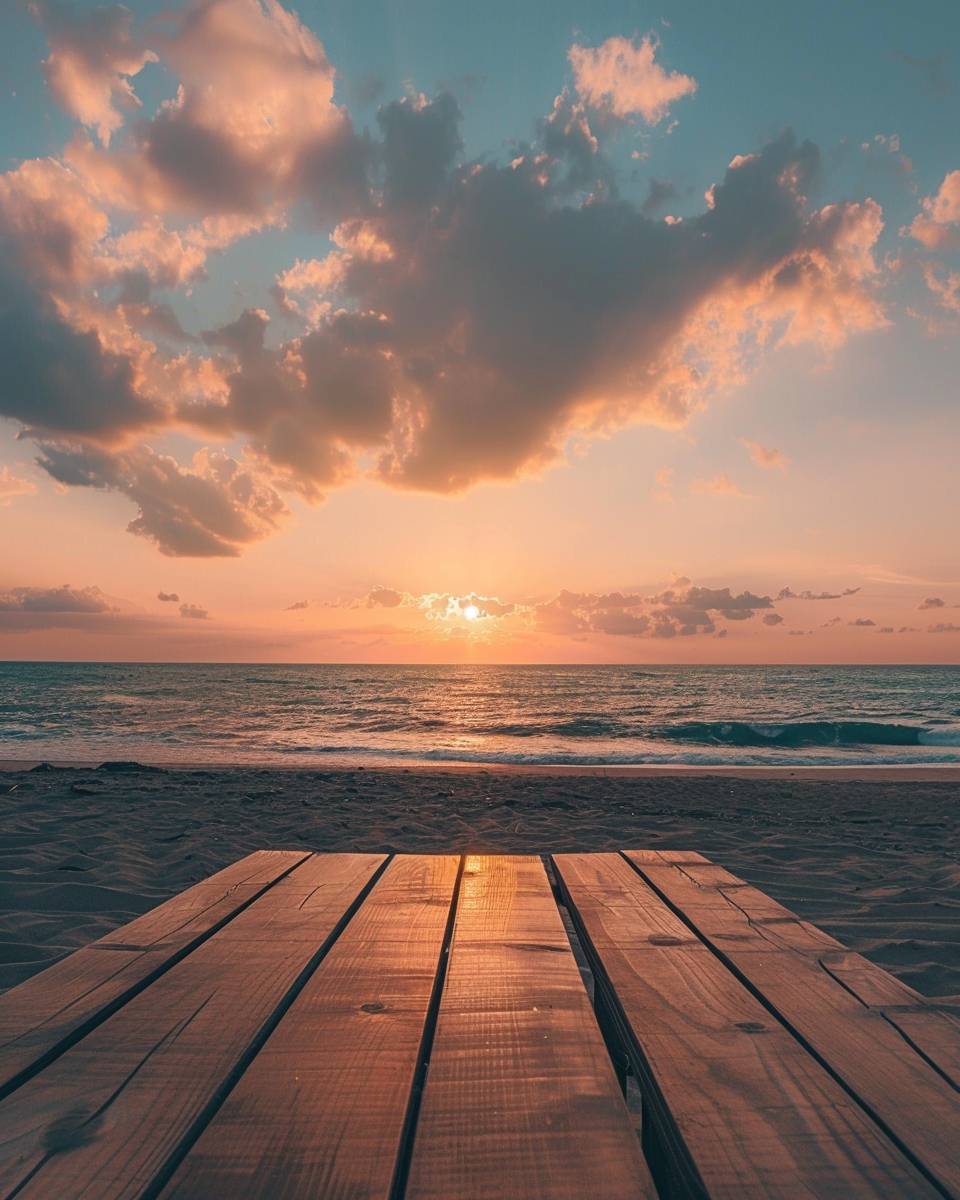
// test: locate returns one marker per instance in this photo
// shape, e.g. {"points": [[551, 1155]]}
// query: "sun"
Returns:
{"points": [[471, 612]]}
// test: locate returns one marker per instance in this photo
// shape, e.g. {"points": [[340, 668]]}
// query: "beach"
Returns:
{"points": [[871, 856]]}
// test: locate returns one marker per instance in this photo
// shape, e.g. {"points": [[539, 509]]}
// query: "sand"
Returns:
{"points": [[871, 858]]}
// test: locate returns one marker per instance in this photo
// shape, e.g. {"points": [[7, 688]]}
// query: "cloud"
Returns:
{"points": [[788, 594], [193, 612], [210, 509], [471, 318], [931, 602], [297, 606], [766, 456], [65, 599], [12, 485], [93, 57], [773, 619], [29, 609], [168, 597], [253, 120], [719, 485], [886, 629], [862, 623], [944, 287], [622, 77], [943, 627], [681, 611], [384, 597], [497, 324], [937, 225]]}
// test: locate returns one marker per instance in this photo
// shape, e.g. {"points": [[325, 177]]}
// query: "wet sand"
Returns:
{"points": [[871, 855]]}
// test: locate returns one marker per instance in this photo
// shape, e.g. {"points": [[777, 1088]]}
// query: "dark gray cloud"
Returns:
{"points": [[931, 602], [478, 317], [297, 606], [681, 611], [212, 509], [168, 597], [473, 316], [55, 377], [193, 612], [26, 609], [943, 627], [862, 623], [65, 599]]}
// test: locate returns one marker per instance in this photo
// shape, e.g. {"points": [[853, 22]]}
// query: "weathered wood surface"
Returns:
{"points": [[41, 1016], [824, 994], [106, 1119], [738, 1107], [520, 1099], [320, 1112], [344, 1027]]}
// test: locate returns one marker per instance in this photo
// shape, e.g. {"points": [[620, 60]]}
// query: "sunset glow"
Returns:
{"points": [[314, 321]]}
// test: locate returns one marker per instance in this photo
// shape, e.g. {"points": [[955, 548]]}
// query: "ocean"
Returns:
{"points": [[590, 715]]}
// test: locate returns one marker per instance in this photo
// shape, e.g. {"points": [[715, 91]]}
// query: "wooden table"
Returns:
{"points": [[351, 1026]]}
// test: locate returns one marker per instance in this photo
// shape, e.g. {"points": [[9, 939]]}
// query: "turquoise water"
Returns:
{"points": [[533, 714]]}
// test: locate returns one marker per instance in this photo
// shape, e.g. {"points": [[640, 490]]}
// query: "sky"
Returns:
{"points": [[527, 332]]}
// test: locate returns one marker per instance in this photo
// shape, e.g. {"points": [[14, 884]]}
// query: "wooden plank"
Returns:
{"points": [[789, 963], [320, 1111], [46, 1013], [520, 1098], [737, 1107], [933, 1028], [108, 1117]]}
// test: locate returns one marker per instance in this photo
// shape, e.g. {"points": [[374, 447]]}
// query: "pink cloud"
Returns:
{"points": [[253, 116], [93, 57], [623, 77], [937, 225], [944, 287]]}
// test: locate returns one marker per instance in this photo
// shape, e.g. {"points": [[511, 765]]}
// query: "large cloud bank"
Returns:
{"points": [[459, 323]]}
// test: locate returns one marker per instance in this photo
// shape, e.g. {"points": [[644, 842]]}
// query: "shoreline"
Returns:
{"points": [[862, 772]]}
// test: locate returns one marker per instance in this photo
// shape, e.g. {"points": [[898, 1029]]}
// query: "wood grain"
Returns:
{"points": [[823, 993], [104, 1120], [738, 1108], [521, 1099], [41, 1016], [320, 1111]]}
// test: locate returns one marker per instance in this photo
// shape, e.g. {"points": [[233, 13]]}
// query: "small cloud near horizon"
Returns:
{"points": [[194, 612]]}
